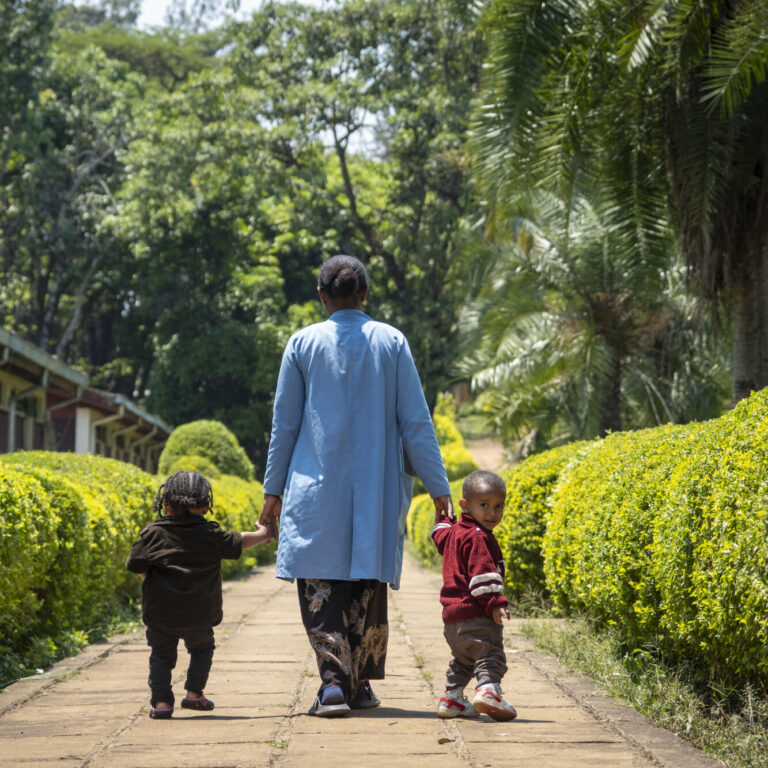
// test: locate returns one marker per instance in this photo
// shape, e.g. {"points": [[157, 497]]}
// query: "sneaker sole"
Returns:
{"points": [[449, 715], [330, 710], [495, 713]]}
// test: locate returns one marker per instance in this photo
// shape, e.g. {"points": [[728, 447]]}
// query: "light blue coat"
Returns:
{"points": [[348, 399]]}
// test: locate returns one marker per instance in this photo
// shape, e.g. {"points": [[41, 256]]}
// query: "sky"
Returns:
{"points": [[153, 11]]}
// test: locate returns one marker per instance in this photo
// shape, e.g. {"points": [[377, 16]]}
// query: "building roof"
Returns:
{"points": [[25, 359]]}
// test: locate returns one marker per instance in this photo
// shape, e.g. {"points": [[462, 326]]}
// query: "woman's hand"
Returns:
{"points": [[444, 504], [270, 510]]}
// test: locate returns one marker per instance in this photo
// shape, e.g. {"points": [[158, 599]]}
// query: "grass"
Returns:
{"points": [[728, 723]]}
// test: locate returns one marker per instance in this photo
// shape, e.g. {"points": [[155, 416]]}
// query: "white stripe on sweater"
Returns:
{"points": [[492, 576], [483, 590]]}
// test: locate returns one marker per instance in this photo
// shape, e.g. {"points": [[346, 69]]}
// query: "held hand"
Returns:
{"points": [[444, 504], [500, 613], [271, 530], [271, 509]]}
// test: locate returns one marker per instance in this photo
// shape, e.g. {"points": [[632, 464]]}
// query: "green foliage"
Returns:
{"points": [[457, 458], [68, 523], [658, 116], [195, 464], [210, 440], [236, 507], [575, 331], [521, 531], [661, 533]]}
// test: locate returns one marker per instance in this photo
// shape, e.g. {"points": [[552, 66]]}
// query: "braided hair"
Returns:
{"points": [[183, 491], [342, 276]]}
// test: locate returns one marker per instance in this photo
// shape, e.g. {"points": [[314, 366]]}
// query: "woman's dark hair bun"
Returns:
{"points": [[342, 276]]}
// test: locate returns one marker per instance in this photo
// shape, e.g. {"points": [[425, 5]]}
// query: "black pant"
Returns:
{"points": [[346, 623], [162, 660]]}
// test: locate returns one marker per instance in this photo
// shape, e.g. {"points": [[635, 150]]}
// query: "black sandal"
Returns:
{"points": [[202, 704], [160, 714]]}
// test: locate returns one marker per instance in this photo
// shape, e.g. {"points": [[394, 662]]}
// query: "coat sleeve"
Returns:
{"points": [[440, 532], [416, 429], [486, 582], [137, 561], [286, 421]]}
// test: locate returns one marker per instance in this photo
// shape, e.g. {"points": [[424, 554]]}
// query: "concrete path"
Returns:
{"points": [[91, 711]]}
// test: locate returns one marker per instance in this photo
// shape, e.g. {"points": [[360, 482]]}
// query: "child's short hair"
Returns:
{"points": [[481, 480], [342, 276], [183, 491]]}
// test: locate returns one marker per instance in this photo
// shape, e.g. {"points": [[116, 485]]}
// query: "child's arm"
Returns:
{"points": [[486, 584], [262, 535], [440, 531]]}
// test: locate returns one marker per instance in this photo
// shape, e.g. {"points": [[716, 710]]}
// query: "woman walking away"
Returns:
{"points": [[348, 404]]}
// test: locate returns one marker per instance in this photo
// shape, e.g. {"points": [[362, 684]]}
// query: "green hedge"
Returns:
{"points": [[521, 532], [68, 522], [236, 507], [457, 458], [662, 534], [211, 440]]}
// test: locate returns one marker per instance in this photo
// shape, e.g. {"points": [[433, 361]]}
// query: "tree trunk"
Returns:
{"points": [[610, 408], [745, 323]]}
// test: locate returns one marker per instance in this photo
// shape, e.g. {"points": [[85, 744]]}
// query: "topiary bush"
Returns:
{"points": [[195, 464], [661, 534], [211, 440]]}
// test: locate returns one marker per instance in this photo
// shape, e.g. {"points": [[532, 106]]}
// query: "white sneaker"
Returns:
{"points": [[488, 700], [453, 703]]}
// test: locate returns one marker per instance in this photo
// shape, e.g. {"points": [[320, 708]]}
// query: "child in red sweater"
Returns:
{"points": [[473, 600]]}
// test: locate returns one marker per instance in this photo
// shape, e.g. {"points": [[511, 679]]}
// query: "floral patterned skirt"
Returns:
{"points": [[346, 623]]}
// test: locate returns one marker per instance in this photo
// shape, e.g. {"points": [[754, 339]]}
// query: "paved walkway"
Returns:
{"points": [[91, 711]]}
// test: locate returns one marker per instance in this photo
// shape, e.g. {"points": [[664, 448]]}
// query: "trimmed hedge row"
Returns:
{"points": [[662, 534], [659, 533], [68, 522]]}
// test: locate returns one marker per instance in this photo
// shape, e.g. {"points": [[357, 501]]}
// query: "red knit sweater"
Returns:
{"points": [[473, 569]]}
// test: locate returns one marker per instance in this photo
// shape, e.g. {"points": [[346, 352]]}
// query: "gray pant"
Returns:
{"points": [[478, 649]]}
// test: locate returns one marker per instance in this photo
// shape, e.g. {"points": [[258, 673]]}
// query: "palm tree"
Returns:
{"points": [[661, 104], [571, 334]]}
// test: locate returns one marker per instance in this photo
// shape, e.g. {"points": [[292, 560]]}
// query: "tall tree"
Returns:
{"points": [[664, 104], [387, 87], [570, 334]]}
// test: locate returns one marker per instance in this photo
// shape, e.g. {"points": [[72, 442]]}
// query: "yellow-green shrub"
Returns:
{"points": [[195, 464], [211, 440], [421, 520], [457, 458], [662, 534], [115, 501], [68, 522], [521, 531], [27, 550], [236, 507]]}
